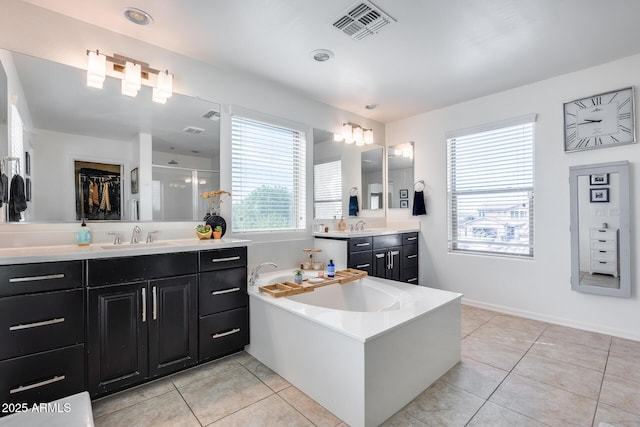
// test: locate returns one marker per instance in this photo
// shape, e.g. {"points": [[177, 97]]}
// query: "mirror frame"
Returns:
{"points": [[624, 247], [410, 186]]}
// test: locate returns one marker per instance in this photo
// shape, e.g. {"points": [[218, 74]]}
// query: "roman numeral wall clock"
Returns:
{"points": [[600, 121]]}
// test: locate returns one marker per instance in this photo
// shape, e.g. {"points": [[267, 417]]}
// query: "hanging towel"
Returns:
{"points": [[5, 188], [353, 206], [17, 199], [419, 207]]}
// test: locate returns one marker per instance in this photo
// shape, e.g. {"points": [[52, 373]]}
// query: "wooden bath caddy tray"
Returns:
{"points": [[287, 288]]}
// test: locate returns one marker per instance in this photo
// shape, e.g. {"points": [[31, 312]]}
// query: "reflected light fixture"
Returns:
{"points": [[352, 133], [133, 74]]}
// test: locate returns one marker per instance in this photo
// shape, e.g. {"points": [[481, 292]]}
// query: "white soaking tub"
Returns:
{"points": [[362, 350]]}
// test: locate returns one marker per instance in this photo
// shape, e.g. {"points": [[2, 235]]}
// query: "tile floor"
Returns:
{"points": [[514, 372]]}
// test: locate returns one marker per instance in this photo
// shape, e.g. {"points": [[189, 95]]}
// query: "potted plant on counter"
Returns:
{"points": [[203, 231], [217, 232], [297, 277]]}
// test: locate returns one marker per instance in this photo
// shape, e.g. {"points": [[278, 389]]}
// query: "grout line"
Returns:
{"points": [[188, 406]]}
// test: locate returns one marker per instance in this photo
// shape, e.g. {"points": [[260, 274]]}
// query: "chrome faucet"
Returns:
{"points": [[116, 237], [360, 225], [135, 236], [255, 273]]}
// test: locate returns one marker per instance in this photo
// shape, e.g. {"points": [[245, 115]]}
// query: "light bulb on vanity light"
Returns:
{"points": [[358, 136], [368, 136], [96, 69], [164, 87], [132, 79]]}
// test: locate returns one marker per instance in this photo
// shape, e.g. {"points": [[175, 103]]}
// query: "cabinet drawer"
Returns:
{"points": [[43, 377], [38, 322], [410, 275], [409, 256], [110, 271], [410, 238], [223, 290], [603, 244], [223, 333], [604, 233], [219, 259], [361, 261], [358, 244], [604, 267], [603, 255], [40, 277], [387, 241]]}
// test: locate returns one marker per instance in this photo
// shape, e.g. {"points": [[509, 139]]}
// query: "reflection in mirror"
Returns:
{"points": [[400, 175], [66, 121], [337, 170], [600, 251], [371, 166], [4, 116]]}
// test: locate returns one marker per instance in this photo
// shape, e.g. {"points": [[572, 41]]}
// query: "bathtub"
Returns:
{"points": [[363, 349]]}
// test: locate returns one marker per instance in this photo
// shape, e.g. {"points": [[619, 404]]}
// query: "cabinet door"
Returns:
{"points": [[173, 322], [380, 262], [395, 268], [117, 336]]}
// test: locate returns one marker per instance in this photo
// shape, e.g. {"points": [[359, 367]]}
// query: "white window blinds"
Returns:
{"points": [[327, 190], [490, 188], [267, 176]]}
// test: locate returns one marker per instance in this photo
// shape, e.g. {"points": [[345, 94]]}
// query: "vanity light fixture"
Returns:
{"points": [[352, 133], [133, 74]]}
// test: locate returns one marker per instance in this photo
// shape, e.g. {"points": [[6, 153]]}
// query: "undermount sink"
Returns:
{"points": [[136, 245]]}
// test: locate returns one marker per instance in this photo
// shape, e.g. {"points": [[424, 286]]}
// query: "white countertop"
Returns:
{"points": [[31, 254], [364, 233]]}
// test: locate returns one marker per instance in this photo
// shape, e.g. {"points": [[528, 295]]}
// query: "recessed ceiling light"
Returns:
{"points": [[321, 55], [137, 16], [371, 106]]}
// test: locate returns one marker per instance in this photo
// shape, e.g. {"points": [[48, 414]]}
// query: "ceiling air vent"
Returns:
{"points": [[211, 115], [362, 20], [193, 130]]}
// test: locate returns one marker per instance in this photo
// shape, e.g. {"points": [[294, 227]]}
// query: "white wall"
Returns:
{"points": [[538, 288]]}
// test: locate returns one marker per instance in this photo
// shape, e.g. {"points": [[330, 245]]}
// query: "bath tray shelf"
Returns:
{"points": [[287, 288]]}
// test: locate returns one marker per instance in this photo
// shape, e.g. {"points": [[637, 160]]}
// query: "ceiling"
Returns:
{"points": [[435, 54]]}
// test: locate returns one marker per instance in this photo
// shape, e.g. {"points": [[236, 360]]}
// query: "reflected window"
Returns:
{"points": [[327, 190], [490, 188]]}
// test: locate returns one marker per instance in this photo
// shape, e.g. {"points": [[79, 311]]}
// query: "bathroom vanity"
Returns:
{"points": [[105, 319]]}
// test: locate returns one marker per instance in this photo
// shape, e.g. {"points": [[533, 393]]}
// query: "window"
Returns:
{"points": [[490, 188], [267, 176], [327, 190]]}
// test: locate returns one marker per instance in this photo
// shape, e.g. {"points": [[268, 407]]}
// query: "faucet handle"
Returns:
{"points": [[150, 236], [116, 238]]}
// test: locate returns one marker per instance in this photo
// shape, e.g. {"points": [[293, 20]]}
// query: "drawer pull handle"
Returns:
{"points": [[36, 385], [602, 262], [225, 291], [413, 279], [231, 258], [380, 255], [603, 252], [412, 256], [412, 238], [363, 265], [602, 241], [144, 304], [363, 244], [36, 324], [34, 278], [224, 334], [155, 303]]}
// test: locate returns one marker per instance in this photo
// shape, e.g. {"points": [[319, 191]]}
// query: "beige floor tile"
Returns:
{"points": [[468, 325], [609, 415], [624, 365], [521, 340], [475, 377], [569, 377], [468, 311], [241, 357], [491, 415], [518, 323], [544, 403], [620, 345], [562, 334], [198, 373], [444, 405], [491, 353], [402, 419], [274, 381], [130, 397], [586, 357], [166, 410], [272, 411], [621, 393], [309, 407], [223, 393]]}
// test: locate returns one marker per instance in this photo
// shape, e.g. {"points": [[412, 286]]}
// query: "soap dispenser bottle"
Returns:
{"points": [[331, 269], [84, 234], [342, 225]]}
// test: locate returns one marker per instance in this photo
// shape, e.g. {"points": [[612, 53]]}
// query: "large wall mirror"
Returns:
{"points": [[400, 175], [600, 234], [342, 171], [65, 122]]}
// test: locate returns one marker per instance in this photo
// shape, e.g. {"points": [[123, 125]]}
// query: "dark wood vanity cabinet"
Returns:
{"points": [[386, 256], [41, 331], [359, 254], [144, 327], [409, 261], [223, 302]]}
